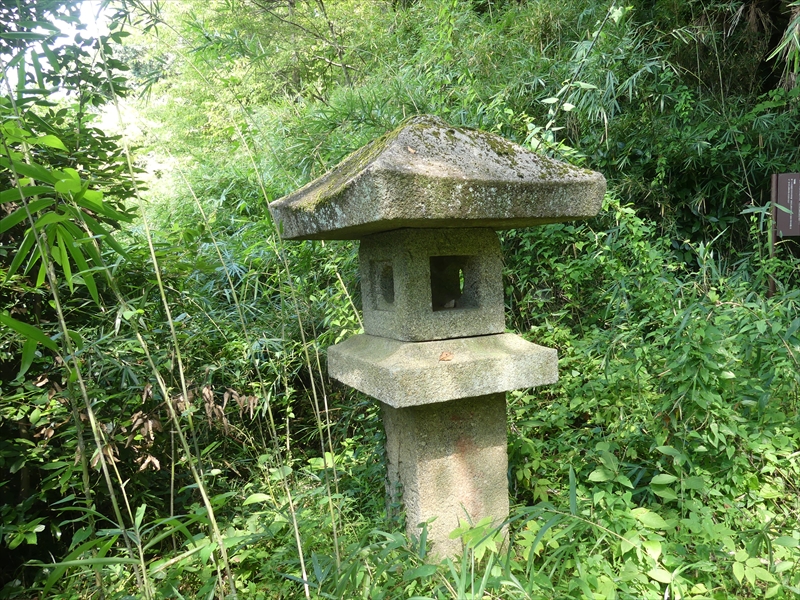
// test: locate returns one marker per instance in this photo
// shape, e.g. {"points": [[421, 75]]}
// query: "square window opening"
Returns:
{"points": [[454, 282]]}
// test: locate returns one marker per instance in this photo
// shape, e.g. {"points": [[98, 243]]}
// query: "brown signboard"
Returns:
{"points": [[786, 196]]}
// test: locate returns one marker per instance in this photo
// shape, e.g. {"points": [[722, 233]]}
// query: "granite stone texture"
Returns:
{"points": [[431, 284], [428, 174], [449, 460], [403, 374]]}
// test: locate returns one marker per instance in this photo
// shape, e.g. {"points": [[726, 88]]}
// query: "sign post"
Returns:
{"points": [[785, 212]]}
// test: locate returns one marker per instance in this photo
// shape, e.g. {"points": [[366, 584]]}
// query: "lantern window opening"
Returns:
{"points": [[453, 282]]}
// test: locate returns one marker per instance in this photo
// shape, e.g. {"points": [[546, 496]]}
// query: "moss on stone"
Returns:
{"points": [[426, 160]]}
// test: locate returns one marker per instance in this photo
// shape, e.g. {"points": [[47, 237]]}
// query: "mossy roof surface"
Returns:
{"points": [[426, 173]]}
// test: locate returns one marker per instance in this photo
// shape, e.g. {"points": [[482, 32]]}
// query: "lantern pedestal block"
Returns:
{"points": [[449, 462]]}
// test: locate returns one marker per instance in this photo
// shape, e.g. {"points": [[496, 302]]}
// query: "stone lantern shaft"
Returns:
{"points": [[425, 201]]}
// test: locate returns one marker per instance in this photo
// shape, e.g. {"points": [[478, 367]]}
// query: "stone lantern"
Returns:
{"points": [[425, 201]]}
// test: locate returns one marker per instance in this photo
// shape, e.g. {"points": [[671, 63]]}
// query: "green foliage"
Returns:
{"points": [[663, 463]]}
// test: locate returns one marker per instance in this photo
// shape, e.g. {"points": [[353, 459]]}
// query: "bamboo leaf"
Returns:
{"points": [[79, 234], [49, 219], [65, 266], [25, 35], [80, 261], [37, 69], [33, 170], [55, 64], [573, 492], [42, 274], [28, 354], [22, 253], [18, 193], [28, 331], [21, 214], [101, 231]]}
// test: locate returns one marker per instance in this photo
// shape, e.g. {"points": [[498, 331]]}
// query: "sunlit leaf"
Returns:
{"points": [[648, 518], [660, 575], [51, 141], [663, 478], [256, 498]]}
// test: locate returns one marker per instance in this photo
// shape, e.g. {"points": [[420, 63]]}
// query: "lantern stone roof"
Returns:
{"points": [[428, 174]]}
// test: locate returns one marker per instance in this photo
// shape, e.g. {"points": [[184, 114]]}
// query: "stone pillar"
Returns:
{"points": [[449, 460], [425, 201]]}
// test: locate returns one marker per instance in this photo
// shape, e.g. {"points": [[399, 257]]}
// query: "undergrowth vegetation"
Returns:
{"points": [[167, 427]]}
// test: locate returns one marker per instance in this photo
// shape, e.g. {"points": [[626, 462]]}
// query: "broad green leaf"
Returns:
{"points": [[600, 475], [653, 548], [738, 571], [663, 479], [253, 498], [76, 338], [694, 483], [51, 141], [660, 575], [49, 219], [793, 327], [763, 575], [648, 518], [624, 481], [567, 107], [68, 186], [770, 491], [28, 331], [93, 196], [420, 572], [664, 492], [630, 541], [786, 541], [36, 413], [609, 461], [669, 451], [551, 100]]}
